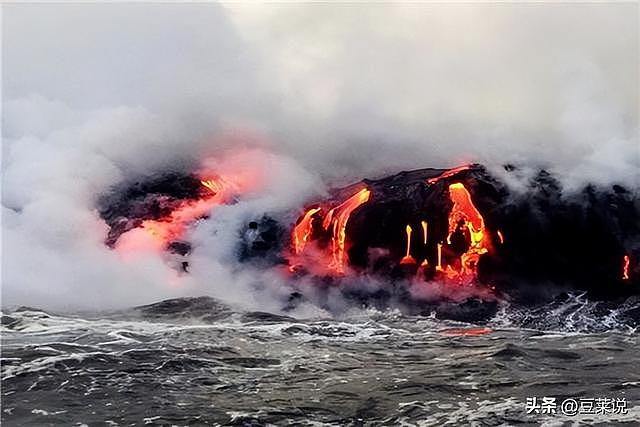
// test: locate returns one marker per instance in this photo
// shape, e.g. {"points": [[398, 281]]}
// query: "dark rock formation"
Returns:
{"points": [[263, 242], [126, 206], [552, 239]]}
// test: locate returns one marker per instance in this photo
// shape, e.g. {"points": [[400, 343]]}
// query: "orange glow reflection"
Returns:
{"points": [[466, 332]]}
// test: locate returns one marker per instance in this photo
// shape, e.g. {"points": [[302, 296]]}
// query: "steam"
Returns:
{"points": [[303, 96]]}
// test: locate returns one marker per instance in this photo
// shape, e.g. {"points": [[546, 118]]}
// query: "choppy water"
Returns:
{"points": [[197, 362]]}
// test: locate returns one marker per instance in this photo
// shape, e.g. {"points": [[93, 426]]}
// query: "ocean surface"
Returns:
{"points": [[198, 362]]}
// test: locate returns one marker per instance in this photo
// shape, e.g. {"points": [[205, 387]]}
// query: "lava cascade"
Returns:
{"points": [[457, 257], [335, 223]]}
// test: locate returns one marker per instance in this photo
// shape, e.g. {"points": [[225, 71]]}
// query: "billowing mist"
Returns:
{"points": [[302, 96]]}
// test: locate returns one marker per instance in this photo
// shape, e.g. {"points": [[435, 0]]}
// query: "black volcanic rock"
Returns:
{"points": [[262, 242], [472, 310], [152, 198], [407, 199], [553, 240], [205, 308]]}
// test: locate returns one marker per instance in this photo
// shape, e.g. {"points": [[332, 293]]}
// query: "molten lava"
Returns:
{"points": [[433, 233], [408, 259], [625, 267], [157, 234], [448, 173], [424, 232], [457, 256], [213, 185], [327, 220], [466, 239], [334, 222], [302, 230], [340, 218], [464, 210]]}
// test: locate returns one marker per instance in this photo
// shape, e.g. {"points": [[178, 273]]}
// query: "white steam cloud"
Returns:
{"points": [[94, 94]]}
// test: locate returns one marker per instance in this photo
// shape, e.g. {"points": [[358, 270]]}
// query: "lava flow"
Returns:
{"points": [[335, 222], [424, 232], [408, 259], [448, 173], [457, 257], [302, 230], [340, 217], [214, 185], [625, 267], [466, 240], [157, 234]]}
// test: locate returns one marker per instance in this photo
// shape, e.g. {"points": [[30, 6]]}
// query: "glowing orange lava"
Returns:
{"points": [[319, 258], [213, 185], [302, 231], [448, 173], [464, 210], [466, 224], [327, 220], [625, 267], [155, 235], [458, 253], [340, 218], [408, 259], [424, 232]]}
